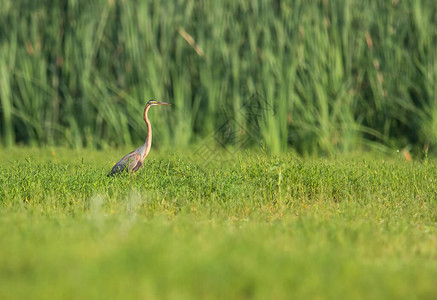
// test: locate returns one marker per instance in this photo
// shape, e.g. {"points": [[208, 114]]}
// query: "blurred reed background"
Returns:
{"points": [[340, 76]]}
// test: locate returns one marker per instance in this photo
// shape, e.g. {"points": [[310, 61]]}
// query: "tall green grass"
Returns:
{"points": [[341, 76]]}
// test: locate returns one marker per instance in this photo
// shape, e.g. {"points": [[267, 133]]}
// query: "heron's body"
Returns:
{"points": [[134, 160]]}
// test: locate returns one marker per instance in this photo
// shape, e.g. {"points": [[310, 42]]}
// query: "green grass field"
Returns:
{"points": [[255, 227], [303, 79]]}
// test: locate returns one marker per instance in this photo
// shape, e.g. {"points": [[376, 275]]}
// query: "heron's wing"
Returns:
{"points": [[130, 162], [137, 166]]}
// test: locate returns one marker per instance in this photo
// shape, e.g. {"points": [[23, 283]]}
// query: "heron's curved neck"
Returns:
{"points": [[148, 143]]}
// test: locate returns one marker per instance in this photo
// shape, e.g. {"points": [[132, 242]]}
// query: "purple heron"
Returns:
{"points": [[134, 160]]}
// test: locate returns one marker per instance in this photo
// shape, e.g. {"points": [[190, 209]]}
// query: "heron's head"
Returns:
{"points": [[154, 102]]}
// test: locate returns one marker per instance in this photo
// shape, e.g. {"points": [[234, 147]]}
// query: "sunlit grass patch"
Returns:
{"points": [[257, 227]]}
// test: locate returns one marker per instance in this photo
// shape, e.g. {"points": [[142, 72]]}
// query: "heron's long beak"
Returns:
{"points": [[162, 103]]}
